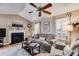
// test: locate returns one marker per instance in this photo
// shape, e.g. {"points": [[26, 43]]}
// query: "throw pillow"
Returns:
{"points": [[67, 51], [42, 38]]}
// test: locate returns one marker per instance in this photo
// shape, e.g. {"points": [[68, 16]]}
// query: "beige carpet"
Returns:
{"points": [[43, 54]]}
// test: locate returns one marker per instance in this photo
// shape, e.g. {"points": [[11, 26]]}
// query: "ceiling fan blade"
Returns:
{"points": [[47, 12], [39, 13], [30, 12], [47, 6], [32, 4]]}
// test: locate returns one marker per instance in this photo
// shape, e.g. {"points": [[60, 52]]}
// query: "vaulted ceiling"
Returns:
{"points": [[11, 8], [22, 9]]}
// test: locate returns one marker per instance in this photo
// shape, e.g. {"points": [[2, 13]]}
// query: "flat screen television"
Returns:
{"points": [[2, 32]]}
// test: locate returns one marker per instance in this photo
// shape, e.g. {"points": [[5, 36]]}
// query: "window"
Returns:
{"points": [[36, 28], [60, 23]]}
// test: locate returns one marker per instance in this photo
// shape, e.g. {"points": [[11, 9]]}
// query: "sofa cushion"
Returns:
{"points": [[50, 37], [42, 38], [47, 36], [43, 44]]}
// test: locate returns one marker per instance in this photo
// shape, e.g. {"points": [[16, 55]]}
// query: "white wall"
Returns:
{"points": [[7, 20]]}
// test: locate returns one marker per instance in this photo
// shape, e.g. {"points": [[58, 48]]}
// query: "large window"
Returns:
{"points": [[60, 23], [36, 28]]}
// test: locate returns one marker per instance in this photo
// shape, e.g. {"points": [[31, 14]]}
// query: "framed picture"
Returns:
{"points": [[46, 26]]}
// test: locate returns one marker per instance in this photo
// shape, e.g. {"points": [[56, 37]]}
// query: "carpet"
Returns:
{"points": [[15, 50]]}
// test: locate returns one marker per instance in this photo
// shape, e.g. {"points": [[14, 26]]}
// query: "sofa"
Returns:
{"points": [[67, 50], [45, 41], [57, 48]]}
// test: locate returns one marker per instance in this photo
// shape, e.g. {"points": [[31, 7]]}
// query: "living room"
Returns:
{"points": [[28, 30]]}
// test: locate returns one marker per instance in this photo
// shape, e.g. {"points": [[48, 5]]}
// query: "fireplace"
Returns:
{"points": [[17, 37]]}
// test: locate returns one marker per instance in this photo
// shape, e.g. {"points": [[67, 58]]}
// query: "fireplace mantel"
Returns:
{"points": [[15, 31]]}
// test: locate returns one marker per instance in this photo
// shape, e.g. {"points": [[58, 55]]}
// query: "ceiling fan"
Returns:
{"points": [[41, 9]]}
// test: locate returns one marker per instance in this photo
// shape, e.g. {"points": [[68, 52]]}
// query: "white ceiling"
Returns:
{"points": [[22, 9], [11, 8], [33, 16]]}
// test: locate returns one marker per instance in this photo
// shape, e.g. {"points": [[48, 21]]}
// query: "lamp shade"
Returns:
{"points": [[68, 28]]}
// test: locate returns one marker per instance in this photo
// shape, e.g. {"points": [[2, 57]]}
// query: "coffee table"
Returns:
{"points": [[32, 48]]}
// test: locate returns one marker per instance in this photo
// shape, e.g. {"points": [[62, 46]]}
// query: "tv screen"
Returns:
{"points": [[2, 32]]}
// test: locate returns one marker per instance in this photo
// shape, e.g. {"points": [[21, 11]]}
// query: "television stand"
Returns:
{"points": [[1, 41]]}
